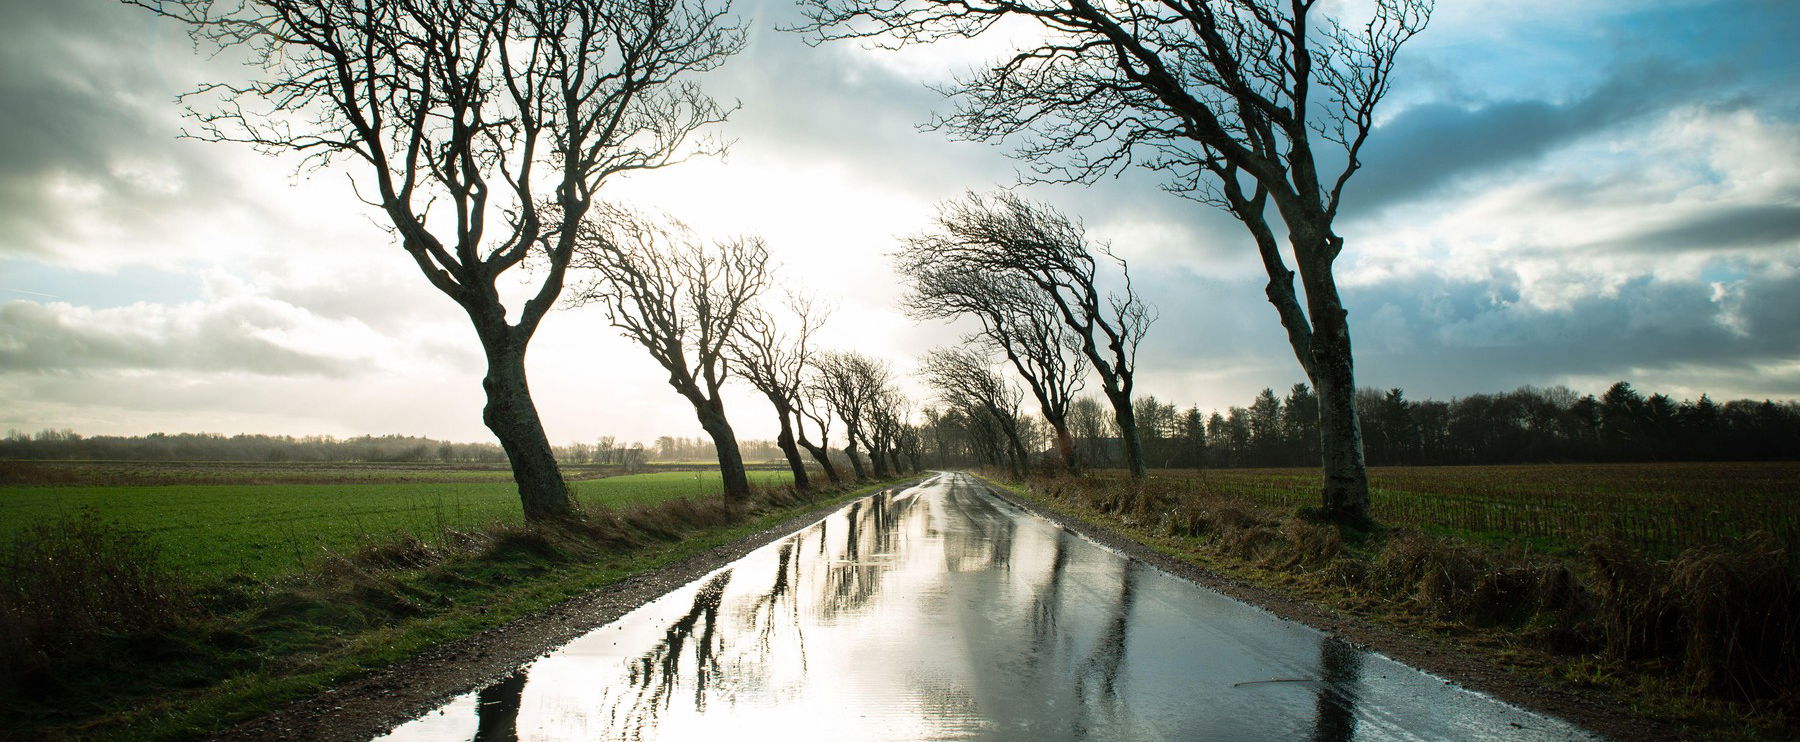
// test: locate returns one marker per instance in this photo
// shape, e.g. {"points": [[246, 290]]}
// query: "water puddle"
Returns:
{"points": [[941, 612]]}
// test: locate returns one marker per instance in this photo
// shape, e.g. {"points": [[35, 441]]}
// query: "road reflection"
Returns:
{"points": [[1340, 669], [941, 612]]}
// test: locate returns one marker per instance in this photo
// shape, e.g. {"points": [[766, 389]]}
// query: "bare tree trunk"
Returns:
{"points": [[1017, 451], [823, 456], [1065, 447], [1345, 498], [731, 461], [878, 460], [1126, 418], [1320, 337], [513, 418], [856, 463], [786, 441]]}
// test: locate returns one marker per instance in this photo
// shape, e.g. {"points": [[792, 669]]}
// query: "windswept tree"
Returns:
{"points": [[965, 380], [889, 417], [841, 383], [1017, 319], [1028, 246], [683, 300], [814, 408], [774, 359], [834, 386], [1245, 105], [469, 123]]}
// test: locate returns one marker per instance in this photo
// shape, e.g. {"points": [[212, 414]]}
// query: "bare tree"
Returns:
{"points": [[889, 415], [775, 362], [683, 301], [850, 384], [912, 446], [1008, 239], [814, 409], [494, 112], [836, 387], [1017, 319], [964, 379], [1243, 104]]}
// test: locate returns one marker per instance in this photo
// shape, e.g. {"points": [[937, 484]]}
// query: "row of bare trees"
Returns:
{"points": [[484, 130], [701, 310], [1033, 281], [1256, 107]]}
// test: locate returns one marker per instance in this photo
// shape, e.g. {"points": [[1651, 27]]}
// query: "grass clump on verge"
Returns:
{"points": [[104, 638], [1709, 637], [67, 580]]}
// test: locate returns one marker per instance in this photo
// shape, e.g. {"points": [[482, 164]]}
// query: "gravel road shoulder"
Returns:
{"points": [[369, 706]]}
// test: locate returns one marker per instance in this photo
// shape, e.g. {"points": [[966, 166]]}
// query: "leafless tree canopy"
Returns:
{"points": [[1039, 262], [774, 356], [965, 380], [1194, 87], [681, 299], [1243, 104], [472, 116], [480, 128], [1017, 319], [662, 286], [852, 386]]}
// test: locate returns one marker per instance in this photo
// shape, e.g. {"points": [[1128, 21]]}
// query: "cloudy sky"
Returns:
{"points": [[1559, 193]]}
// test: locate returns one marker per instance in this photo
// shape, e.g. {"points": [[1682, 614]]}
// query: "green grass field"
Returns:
{"points": [[254, 520]]}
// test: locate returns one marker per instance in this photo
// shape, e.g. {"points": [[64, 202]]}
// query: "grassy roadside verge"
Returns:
{"points": [[177, 661], [1697, 646]]}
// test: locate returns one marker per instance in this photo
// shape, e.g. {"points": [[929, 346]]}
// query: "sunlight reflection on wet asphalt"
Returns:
{"points": [[942, 612]]}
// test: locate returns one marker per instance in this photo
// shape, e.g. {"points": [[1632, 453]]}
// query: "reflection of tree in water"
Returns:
{"points": [[1340, 670], [871, 536], [764, 614], [657, 672], [1108, 655], [983, 538], [497, 709], [1046, 605]]}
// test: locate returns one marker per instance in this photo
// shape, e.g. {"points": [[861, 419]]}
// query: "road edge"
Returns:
{"points": [[372, 705], [1441, 659]]}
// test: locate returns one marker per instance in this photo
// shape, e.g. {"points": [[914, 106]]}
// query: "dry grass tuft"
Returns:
{"points": [[76, 577], [1728, 618], [1739, 614]]}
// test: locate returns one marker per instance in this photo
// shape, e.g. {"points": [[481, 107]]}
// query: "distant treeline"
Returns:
{"points": [[69, 445], [1528, 425], [676, 448]]}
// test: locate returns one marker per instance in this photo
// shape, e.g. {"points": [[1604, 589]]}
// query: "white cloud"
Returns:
{"points": [[1599, 212]]}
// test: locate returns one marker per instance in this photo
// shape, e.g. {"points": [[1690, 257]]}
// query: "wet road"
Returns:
{"points": [[942, 612]]}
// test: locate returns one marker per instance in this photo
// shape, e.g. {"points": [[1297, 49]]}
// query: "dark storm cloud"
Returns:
{"points": [[87, 130], [1754, 226], [1736, 55], [219, 337], [1445, 337], [1430, 145], [1440, 338]]}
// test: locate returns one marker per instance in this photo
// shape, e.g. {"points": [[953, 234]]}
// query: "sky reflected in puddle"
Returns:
{"points": [[941, 612]]}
